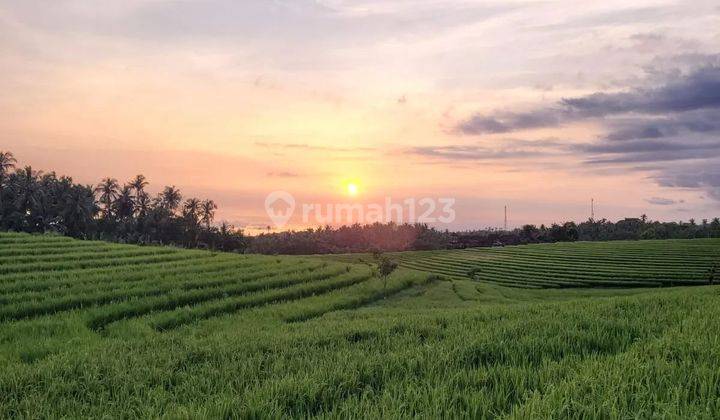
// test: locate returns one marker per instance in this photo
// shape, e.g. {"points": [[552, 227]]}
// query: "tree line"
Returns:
{"points": [[37, 202], [415, 237]]}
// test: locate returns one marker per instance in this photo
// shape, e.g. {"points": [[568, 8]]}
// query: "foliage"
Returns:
{"points": [[473, 273], [36, 202], [385, 267], [391, 237]]}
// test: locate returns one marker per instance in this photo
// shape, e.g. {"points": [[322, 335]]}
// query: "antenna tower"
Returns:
{"points": [[505, 223]]}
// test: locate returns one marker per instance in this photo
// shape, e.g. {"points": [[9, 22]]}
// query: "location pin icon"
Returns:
{"points": [[280, 206]]}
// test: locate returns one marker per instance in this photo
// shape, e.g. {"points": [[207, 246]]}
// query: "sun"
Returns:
{"points": [[352, 188]]}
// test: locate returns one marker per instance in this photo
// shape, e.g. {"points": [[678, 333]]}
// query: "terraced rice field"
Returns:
{"points": [[106, 283], [98, 330], [582, 264]]}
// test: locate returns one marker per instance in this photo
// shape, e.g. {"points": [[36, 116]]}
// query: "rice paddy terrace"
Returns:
{"points": [[168, 287], [96, 330], [579, 264]]}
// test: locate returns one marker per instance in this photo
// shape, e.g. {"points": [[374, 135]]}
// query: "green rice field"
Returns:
{"points": [[97, 330], [573, 264]]}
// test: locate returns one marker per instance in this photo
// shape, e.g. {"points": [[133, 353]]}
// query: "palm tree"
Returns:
{"points": [[108, 192], [142, 203], [138, 184], [191, 209], [207, 212], [124, 203], [191, 212], [79, 210], [7, 163], [171, 198], [26, 191]]}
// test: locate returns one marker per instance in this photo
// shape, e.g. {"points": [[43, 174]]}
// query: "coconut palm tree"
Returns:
{"points": [[26, 193], [125, 203], [138, 184], [7, 163], [142, 203], [207, 212], [108, 192], [191, 209], [79, 210], [170, 198]]}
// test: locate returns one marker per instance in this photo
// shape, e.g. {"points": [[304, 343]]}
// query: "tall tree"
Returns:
{"points": [[7, 163], [26, 193], [191, 210], [191, 215], [107, 192], [142, 203], [78, 211], [138, 184], [170, 198], [125, 203], [208, 212]]}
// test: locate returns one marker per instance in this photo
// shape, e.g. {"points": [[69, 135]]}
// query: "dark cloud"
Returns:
{"points": [[703, 121], [511, 149], [511, 121], [670, 125], [696, 90], [660, 201], [705, 175], [706, 148]]}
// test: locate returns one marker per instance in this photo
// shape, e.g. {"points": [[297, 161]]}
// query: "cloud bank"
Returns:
{"points": [[672, 121]]}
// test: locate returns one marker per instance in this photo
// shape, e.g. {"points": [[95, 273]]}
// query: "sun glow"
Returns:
{"points": [[352, 189]]}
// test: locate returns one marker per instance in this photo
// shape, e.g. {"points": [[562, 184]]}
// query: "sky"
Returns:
{"points": [[535, 105]]}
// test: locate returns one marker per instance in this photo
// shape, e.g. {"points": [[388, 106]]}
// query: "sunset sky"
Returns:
{"points": [[538, 105]]}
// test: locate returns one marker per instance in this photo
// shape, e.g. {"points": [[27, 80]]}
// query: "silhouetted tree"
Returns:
{"points": [[191, 210], [26, 202], [142, 203], [207, 212], [78, 211], [125, 203], [31, 201], [107, 192], [138, 184], [171, 198], [7, 163], [715, 228]]}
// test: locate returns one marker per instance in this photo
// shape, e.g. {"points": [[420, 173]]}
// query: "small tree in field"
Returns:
{"points": [[712, 272], [473, 273], [385, 267]]}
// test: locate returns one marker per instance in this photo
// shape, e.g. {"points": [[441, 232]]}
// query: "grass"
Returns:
{"points": [[581, 264], [118, 331]]}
